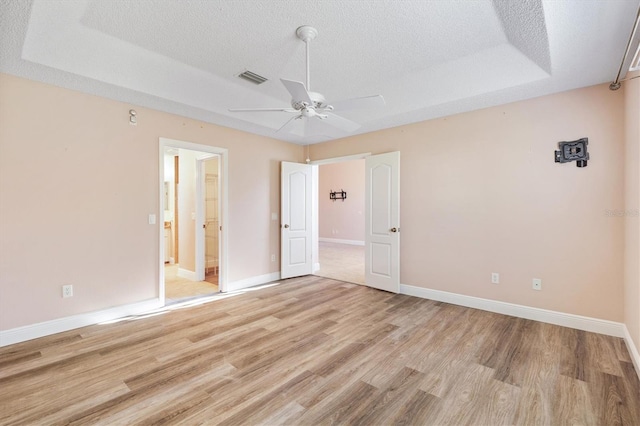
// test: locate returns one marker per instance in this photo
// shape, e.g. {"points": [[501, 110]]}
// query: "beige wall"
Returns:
{"points": [[77, 184], [342, 220], [480, 193], [632, 208]]}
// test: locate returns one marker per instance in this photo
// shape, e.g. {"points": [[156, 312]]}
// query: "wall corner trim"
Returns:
{"points": [[33, 331], [579, 322], [633, 350], [252, 281]]}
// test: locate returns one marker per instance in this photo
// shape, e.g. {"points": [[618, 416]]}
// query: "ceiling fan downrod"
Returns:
{"points": [[307, 33]]}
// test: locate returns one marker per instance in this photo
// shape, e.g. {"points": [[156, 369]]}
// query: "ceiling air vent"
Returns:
{"points": [[252, 77]]}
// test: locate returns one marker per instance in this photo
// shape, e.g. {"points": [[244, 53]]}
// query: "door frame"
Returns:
{"points": [[223, 155]]}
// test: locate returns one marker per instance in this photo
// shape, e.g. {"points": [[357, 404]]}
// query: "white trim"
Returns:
{"points": [[633, 350], [315, 223], [199, 254], [161, 231], [341, 159], [579, 322], [187, 274], [253, 281], [33, 331], [339, 241]]}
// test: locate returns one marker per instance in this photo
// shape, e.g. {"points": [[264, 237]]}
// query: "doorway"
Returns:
{"points": [[193, 200], [341, 190], [299, 205]]}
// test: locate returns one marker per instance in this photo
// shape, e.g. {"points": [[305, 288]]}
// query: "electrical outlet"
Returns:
{"points": [[537, 284], [67, 290], [273, 257], [495, 278]]}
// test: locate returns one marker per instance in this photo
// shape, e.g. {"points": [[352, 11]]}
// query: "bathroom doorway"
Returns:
{"points": [[193, 192]]}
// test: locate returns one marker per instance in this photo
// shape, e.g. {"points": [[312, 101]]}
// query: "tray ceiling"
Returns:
{"points": [[427, 58]]}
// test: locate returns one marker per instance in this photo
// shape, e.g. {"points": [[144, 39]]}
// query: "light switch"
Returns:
{"points": [[152, 219], [274, 216]]}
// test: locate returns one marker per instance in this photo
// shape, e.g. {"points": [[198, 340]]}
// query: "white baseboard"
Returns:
{"points": [[186, 274], [633, 350], [33, 331], [578, 322], [339, 241], [252, 281]]}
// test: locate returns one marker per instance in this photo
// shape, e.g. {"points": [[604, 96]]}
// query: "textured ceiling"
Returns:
{"points": [[427, 58]]}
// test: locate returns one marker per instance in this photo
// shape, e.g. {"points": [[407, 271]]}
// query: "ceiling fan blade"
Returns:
{"points": [[340, 122], [375, 101], [298, 91], [261, 109], [288, 125], [313, 127]]}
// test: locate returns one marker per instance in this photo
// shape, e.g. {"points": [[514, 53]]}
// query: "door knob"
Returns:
{"points": [[286, 226], [394, 229]]}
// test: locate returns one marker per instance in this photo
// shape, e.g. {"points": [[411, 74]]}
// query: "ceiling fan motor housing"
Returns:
{"points": [[318, 102]]}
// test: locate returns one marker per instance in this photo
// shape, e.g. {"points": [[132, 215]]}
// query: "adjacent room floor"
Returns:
{"points": [[178, 289], [342, 262], [312, 351]]}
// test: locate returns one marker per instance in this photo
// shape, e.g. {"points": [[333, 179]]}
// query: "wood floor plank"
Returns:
{"points": [[571, 398], [314, 351], [350, 403], [391, 400], [420, 409], [271, 402]]}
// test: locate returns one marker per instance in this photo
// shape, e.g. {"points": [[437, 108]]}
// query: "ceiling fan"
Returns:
{"points": [[308, 105]]}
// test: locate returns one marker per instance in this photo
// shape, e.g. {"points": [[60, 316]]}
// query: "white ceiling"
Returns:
{"points": [[427, 58]]}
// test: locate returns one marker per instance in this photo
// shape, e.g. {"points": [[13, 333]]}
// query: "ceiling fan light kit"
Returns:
{"points": [[310, 105]]}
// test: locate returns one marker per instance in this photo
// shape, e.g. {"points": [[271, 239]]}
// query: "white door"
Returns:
{"points": [[382, 222], [296, 226]]}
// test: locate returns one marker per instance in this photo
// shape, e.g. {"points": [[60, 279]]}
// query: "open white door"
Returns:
{"points": [[296, 226], [382, 222]]}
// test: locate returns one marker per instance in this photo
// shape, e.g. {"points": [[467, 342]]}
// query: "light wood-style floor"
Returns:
{"points": [[343, 262], [178, 289], [316, 351]]}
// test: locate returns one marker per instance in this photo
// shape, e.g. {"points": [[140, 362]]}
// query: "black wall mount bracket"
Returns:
{"points": [[573, 151]]}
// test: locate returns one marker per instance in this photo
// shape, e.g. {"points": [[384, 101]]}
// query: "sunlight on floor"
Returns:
{"points": [[189, 304]]}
